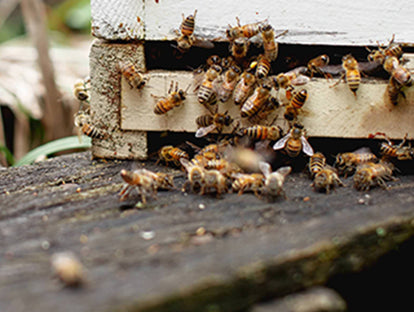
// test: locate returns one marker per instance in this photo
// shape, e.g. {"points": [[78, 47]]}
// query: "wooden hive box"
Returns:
{"points": [[126, 29]]}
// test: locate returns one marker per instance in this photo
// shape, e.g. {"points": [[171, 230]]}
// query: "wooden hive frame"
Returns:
{"points": [[127, 114]]}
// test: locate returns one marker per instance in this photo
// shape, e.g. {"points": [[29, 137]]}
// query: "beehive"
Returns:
{"points": [[124, 28]]}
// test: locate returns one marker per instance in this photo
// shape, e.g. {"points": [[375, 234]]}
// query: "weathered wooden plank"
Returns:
{"points": [[158, 259], [328, 112], [310, 22]]}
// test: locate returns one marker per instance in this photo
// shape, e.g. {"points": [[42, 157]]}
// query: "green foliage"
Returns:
{"points": [[6, 152], [55, 146]]}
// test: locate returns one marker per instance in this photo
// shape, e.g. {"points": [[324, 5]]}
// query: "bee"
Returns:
{"points": [[315, 65], [247, 31], [164, 180], [68, 268], [259, 132], [81, 89], [256, 101], [294, 77], [210, 122], [195, 175], [381, 54], [225, 167], [213, 60], [83, 122], [389, 150], [393, 91], [399, 73], [134, 78], [171, 154], [175, 98], [270, 46], [244, 87], [347, 162], [229, 82], [244, 182], [294, 142], [262, 67], [316, 163], [372, 174], [213, 182], [273, 185], [206, 89], [295, 104], [352, 74], [142, 180], [326, 179], [239, 48]]}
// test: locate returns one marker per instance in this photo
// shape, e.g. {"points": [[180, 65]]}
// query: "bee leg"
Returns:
{"points": [[339, 80]]}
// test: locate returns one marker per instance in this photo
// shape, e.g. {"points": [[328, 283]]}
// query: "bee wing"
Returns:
{"points": [[300, 80], [202, 43], [186, 163], [363, 150], [205, 130], [282, 142], [306, 147], [265, 168], [284, 170]]}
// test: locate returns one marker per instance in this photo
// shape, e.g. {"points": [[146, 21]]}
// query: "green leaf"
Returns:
{"points": [[7, 154], [52, 147]]}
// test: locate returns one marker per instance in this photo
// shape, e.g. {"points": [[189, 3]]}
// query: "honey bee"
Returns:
{"points": [[352, 74], [134, 78], [213, 182], [270, 46], [294, 77], [175, 98], [83, 122], [326, 179], [195, 175], [185, 36], [347, 162], [259, 132], [262, 67], [294, 142], [399, 73], [393, 91], [81, 89], [206, 89], [244, 182], [295, 104], [145, 182], [229, 82], [225, 167], [381, 54], [247, 31], [315, 65], [274, 181], [389, 150], [316, 163], [164, 180], [256, 101], [68, 268], [171, 154], [372, 174], [244, 87], [210, 122], [239, 48]]}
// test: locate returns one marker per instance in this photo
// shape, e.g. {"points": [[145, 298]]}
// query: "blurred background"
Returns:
{"points": [[44, 47]]}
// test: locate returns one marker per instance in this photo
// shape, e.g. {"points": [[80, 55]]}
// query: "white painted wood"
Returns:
{"points": [[334, 22], [328, 112]]}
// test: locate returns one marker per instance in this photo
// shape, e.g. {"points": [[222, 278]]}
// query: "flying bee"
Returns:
{"points": [[315, 65], [259, 132], [326, 179], [195, 175], [294, 77], [141, 180], [256, 101], [83, 123], [372, 174], [294, 142], [81, 89], [244, 87], [388, 150], [262, 67], [270, 46], [239, 48], [316, 163], [174, 98], [134, 78], [274, 181], [206, 89], [171, 154], [347, 162], [213, 182], [247, 30], [352, 74], [229, 82], [295, 104], [68, 268], [244, 182], [210, 122]]}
